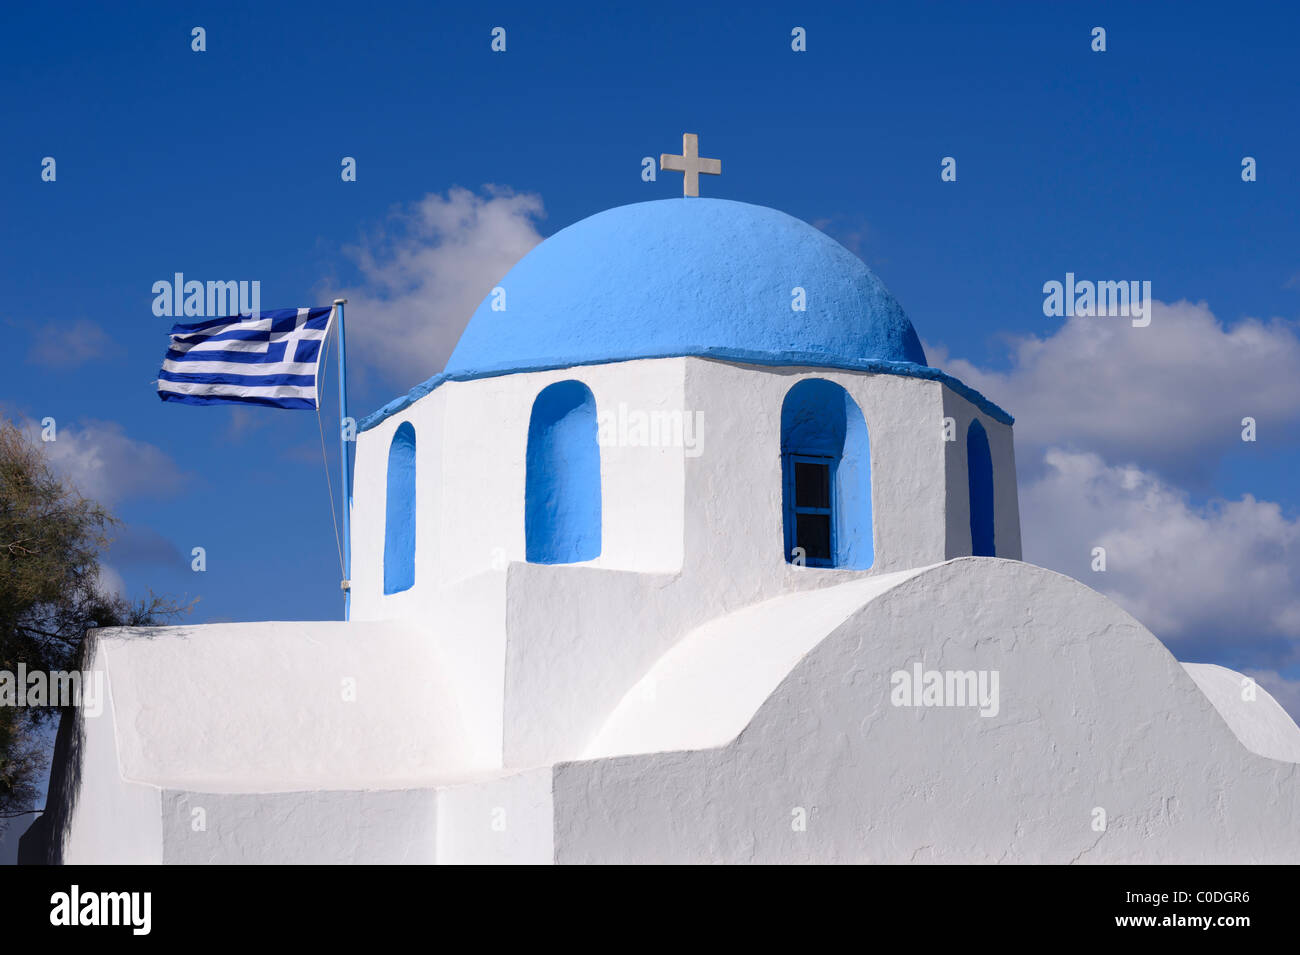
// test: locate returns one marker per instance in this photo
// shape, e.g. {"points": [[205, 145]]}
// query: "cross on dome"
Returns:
{"points": [[690, 163]]}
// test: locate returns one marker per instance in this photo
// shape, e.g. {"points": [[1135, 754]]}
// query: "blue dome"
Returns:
{"points": [[707, 277]]}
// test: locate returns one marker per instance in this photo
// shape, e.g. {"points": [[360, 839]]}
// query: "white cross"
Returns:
{"points": [[690, 163]]}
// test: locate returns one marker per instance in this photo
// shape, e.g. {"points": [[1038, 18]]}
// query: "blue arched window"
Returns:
{"points": [[399, 515], [562, 485], [979, 469], [826, 477]]}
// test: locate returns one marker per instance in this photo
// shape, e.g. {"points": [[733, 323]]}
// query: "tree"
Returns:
{"points": [[22, 760], [51, 539]]}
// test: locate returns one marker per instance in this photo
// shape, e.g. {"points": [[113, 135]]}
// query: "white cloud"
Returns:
{"points": [[425, 273], [1205, 579], [107, 466], [104, 464], [1113, 424], [242, 422], [1170, 396], [110, 582], [70, 344]]}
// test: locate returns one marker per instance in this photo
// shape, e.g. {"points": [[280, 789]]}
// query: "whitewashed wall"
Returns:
{"points": [[666, 508], [1006, 498], [688, 534], [1094, 713], [113, 819]]}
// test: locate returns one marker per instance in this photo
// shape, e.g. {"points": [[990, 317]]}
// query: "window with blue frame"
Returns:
{"points": [[826, 478], [812, 524]]}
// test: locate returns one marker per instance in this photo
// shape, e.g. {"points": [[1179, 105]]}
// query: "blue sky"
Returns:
{"points": [[1122, 165]]}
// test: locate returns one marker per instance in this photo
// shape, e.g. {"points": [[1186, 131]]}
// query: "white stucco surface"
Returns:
{"points": [[505, 819], [706, 689], [111, 818], [690, 533], [712, 510], [278, 706], [1255, 717], [778, 709], [1006, 503], [1095, 714], [321, 827]]}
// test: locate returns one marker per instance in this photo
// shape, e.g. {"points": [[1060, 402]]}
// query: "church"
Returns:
{"points": [[791, 623]]}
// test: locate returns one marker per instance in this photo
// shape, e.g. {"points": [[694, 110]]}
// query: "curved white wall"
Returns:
{"points": [[1094, 713]]}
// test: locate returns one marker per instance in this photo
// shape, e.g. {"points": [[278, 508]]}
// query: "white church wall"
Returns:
{"points": [[472, 442], [1095, 717], [542, 663], [1006, 499], [734, 507], [471, 450], [504, 820], [906, 467], [1251, 713], [315, 705], [466, 624], [461, 619], [677, 705], [369, 501], [578, 638], [113, 819], [339, 827], [485, 468], [1007, 494], [643, 457]]}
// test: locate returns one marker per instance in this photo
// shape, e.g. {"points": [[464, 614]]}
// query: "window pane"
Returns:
{"points": [[811, 484], [813, 534]]}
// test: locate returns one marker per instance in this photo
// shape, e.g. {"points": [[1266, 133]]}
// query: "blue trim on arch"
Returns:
{"points": [[562, 504], [979, 469], [399, 512]]}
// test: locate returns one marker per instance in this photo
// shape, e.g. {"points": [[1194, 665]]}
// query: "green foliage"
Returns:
{"points": [[51, 539], [22, 760]]}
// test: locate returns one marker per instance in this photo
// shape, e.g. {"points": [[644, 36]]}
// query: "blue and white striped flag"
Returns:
{"points": [[268, 359]]}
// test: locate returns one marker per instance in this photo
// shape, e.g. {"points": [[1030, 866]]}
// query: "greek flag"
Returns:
{"points": [[270, 358]]}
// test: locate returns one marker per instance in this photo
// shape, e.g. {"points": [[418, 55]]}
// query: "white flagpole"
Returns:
{"points": [[343, 462]]}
